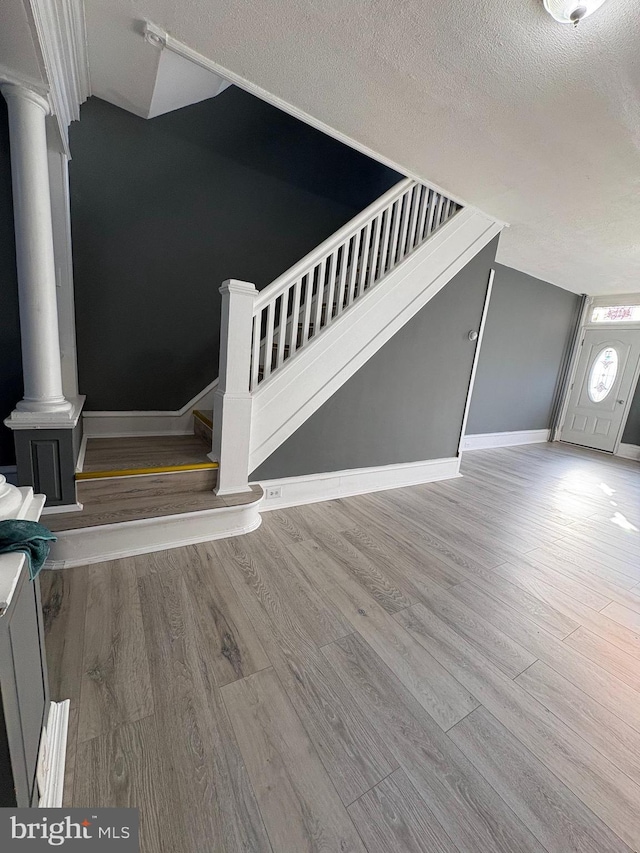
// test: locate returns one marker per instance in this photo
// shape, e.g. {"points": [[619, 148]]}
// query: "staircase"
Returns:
{"points": [[146, 493], [287, 349], [283, 353], [144, 467]]}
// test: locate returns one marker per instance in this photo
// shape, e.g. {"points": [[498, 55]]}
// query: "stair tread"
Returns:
{"points": [[119, 509], [143, 452]]}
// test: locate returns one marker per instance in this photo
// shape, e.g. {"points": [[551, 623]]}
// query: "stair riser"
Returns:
{"points": [[150, 485], [115, 541]]}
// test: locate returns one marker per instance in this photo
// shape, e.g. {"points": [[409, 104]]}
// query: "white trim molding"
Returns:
{"points": [[158, 37], [476, 357], [56, 510], [628, 451], [63, 256], [587, 326], [47, 420], [313, 488], [317, 371], [82, 452], [487, 440], [52, 757], [616, 299], [61, 32], [129, 538], [125, 424]]}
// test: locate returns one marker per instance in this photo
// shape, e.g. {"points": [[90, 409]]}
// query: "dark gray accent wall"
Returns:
{"points": [[164, 210], [407, 402], [10, 357], [527, 331], [631, 434]]}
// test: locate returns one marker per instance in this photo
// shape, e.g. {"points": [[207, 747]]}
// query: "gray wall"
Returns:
{"points": [[631, 434], [10, 358], [406, 403], [526, 334], [164, 210]]}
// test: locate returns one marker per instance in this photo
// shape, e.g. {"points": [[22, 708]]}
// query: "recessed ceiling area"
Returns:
{"points": [[534, 122]]}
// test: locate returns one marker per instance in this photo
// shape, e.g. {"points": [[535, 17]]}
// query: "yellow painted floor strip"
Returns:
{"points": [[133, 472]]}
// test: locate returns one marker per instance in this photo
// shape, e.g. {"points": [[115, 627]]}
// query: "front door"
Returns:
{"points": [[603, 383]]}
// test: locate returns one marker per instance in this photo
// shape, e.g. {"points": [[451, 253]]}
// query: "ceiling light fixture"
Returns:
{"points": [[571, 11]]}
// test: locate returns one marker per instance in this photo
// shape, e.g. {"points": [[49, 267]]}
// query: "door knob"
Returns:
{"points": [[620, 401]]}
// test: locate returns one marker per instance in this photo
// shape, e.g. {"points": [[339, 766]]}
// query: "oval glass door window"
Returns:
{"points": [[603, 374]]}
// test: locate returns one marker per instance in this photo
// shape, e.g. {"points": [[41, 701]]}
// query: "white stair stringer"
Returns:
{"points": [[305, 382]]}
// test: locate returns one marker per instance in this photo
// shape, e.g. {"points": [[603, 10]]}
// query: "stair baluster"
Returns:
{"points": [[315, 292]]}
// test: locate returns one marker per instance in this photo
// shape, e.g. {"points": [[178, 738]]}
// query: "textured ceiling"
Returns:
{"points": [[534, 122]]}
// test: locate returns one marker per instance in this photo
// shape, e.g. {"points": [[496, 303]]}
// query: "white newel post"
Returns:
{"points": [[232, 399], [34, 253]]}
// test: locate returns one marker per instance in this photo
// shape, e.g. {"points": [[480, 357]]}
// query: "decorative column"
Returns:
{"points": [[232, 400], [34, 252], [45, 423]]}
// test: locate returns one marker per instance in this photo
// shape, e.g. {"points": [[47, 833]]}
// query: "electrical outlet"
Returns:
{"points": [[274, 492]]}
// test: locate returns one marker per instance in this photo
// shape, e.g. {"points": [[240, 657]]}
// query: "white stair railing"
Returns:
{"points": [[293, 310], [261, 332]]}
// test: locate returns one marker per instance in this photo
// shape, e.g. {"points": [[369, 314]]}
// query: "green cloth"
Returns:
{"points": [[27, 536]]}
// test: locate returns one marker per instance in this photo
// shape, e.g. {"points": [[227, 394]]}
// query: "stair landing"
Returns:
{"points": [[128, 479], [144, 454], [120, 509], [147, 493]]}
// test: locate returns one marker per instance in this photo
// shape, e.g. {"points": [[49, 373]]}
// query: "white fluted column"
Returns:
{"points": [[34, 254]]}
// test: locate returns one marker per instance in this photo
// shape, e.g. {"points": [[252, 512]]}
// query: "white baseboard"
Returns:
{"points": [[53, 510], [82, 452], [52, 757], [143, 536], [504, 439], [125, 424], [126, 427], [629, 451], [312, 488]]}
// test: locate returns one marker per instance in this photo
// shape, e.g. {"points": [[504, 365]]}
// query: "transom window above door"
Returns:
{"points": [[616, 314]]}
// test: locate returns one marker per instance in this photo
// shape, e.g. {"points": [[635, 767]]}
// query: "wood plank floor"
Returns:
{"points": [[143, 451], [116, 509], [448, 667]]}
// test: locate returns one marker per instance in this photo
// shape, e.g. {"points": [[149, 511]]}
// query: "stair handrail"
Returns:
{"points": [[314, 292], [261, 332], [280, 284]]}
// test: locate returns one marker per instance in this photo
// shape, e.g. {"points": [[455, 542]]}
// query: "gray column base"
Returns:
{"points": [[46, 460]]}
